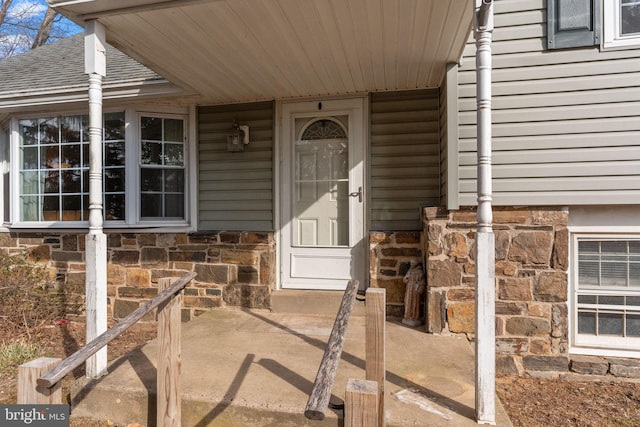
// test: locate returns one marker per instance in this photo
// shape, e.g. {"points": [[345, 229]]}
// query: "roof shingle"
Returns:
{"points": [[61, 64]]}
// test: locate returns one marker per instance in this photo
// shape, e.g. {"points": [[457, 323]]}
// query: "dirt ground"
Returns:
{"points": [[536, 402], [528, 401], [62, 341]]}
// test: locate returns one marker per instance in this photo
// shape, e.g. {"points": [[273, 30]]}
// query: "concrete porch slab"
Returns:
{"points": [[256, 368]]}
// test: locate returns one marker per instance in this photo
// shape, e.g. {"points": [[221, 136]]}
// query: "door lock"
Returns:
{"points": [[357, 194]]}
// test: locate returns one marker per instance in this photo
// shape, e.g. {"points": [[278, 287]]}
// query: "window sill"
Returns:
{"points": [[166, 227], [607, 346], [621, 44], [604, 352]]}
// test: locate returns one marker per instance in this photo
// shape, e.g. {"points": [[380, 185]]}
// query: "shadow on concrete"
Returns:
{"points": [[266, 369], [453, 405], [141, 366], [231, 393], [300, 383]]}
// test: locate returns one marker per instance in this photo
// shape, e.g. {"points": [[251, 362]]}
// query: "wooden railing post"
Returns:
{"points": [[375, 335], [29, 392], [168, 372], [50, 378], [361, 404], [321, 392]]}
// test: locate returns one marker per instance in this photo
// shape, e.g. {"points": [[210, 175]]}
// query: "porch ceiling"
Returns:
{"points": [[247, 50]]}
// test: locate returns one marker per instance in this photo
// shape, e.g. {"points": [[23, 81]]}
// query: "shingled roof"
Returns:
{"points": [[61, 65]]}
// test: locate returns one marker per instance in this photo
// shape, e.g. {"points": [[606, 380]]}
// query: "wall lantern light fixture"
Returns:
{"points": [[237, 139]]}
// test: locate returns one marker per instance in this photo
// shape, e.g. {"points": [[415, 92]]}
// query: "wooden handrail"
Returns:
{"points": [[321, 393], [49, 379]]}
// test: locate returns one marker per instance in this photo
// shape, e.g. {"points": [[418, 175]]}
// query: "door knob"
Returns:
{"points": [[357, 194]]}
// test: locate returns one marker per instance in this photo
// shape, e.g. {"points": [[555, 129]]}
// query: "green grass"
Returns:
{"points": [[15, 353]]}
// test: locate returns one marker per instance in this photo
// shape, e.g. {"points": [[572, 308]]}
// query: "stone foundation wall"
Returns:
{"points": [[531, 283], [390, 255], [234, 268]]}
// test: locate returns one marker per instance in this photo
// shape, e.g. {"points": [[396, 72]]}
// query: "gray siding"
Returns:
{"points": [[566, 125], [405, 158], [235, 189]]}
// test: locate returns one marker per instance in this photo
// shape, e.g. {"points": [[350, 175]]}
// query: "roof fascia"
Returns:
{"points": [[70, 94], [84, 10]]}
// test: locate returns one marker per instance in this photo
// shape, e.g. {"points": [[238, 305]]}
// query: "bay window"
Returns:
{"points": [[143, 181], [162, 167], [54, 168]]}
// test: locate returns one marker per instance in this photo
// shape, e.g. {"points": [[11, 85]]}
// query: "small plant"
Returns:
{"points": [[29, 298], [15, 353]]}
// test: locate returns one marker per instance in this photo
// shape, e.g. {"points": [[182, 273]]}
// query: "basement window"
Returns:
{"points": [[606, 294]]}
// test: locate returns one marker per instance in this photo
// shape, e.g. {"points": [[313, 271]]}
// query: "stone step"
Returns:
{"points": [[320, 303], [111, 404]]}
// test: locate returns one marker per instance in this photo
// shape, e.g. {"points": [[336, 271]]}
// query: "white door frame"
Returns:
{"points": [[354, 107]]}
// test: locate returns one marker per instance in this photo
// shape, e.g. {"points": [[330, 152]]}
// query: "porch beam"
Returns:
{"points": [[485, 241], [96, 240]]}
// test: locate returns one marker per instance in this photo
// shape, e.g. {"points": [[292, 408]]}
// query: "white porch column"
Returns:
{"points": [[485, 242], [96, 240]]}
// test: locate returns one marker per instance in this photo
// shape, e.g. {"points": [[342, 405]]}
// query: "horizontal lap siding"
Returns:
{"points": [[566, 123], [405, 158], [235, 189]]}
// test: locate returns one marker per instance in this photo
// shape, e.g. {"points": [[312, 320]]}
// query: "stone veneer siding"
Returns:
{"points": [[532, 256], [531, 283], [390, 255], [234, 268]]}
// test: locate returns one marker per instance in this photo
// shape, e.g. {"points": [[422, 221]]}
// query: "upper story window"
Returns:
{"points": [[144, 182], [621, 23], [614, 24]]}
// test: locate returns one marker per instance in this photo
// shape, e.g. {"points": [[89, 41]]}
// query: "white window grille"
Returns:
{"points": [[54, 168], [162, 167], [145, 179]]}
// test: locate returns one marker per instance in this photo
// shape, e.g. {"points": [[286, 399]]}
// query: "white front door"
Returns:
{"points": [[322, 194]]}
